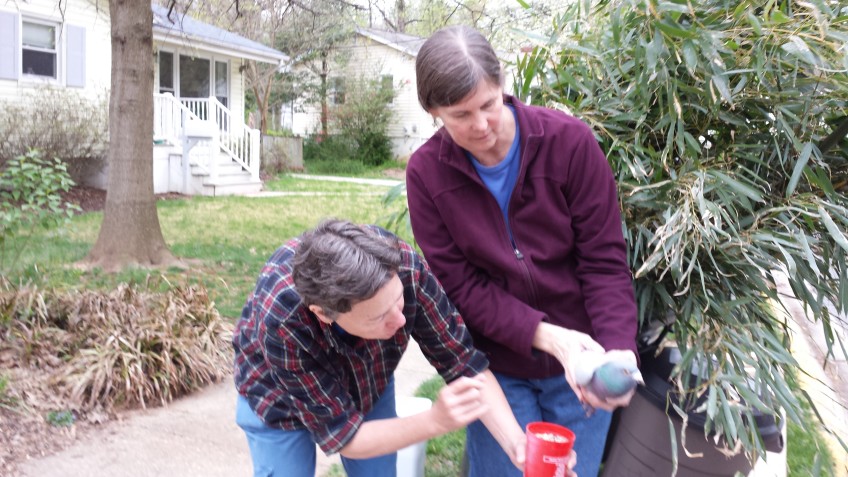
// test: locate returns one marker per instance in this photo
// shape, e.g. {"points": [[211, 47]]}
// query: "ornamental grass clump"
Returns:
{"points": [[131, 346]]}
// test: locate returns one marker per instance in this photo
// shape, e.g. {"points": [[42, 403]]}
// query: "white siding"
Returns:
{"points": [[98, 54], [237, 89], [410, 125]]}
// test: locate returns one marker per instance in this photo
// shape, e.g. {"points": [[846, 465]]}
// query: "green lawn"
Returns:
{"points": [[227, 239]]}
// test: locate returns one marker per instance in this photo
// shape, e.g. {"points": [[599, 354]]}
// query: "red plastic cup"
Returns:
{"points": [[548, 446]]}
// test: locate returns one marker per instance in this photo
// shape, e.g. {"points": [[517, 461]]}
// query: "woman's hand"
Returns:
{"points": [[566, 346], [460, 403], [572, 461]]}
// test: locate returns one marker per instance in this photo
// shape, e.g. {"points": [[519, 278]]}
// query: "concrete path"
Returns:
{"points": [[356, 180], [194, 436]]}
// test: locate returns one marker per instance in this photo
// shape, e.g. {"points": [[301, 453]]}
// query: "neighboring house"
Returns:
{"points": [[198, 85], [382, 55]]}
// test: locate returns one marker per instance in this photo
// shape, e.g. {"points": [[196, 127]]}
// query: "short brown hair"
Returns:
{"points": [[339, 264], [450, 65]]}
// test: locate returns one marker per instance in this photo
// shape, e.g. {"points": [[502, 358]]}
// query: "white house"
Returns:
{"points": [[198, 85], [390, 56]]}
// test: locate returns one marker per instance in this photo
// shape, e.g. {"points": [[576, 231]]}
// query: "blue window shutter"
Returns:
{"points": [[10, 48], [76, 56]]}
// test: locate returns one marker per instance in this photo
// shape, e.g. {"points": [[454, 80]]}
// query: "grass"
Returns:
{"points": [[349, 168], [807, 453], [230, 238], [444, 453]]}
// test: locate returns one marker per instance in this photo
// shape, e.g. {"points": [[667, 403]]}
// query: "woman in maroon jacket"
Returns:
{"points": [[515, 208]]}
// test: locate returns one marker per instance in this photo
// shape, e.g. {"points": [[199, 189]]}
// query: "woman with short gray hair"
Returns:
{"points": [[318, 343], [515, 208]]}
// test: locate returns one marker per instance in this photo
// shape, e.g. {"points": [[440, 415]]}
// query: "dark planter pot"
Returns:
{"points": [[639, 444]]}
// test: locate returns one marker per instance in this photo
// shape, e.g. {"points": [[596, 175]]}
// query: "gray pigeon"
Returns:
{"points": [[607, 380]]}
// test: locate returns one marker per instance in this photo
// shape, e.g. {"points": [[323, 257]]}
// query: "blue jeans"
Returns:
{"points": [[281, 453], [549, 400]]}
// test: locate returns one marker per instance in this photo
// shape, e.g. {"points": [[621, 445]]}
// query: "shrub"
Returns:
{"points": [[129, 346], [30, 197], [61, 124], [331, 155], [725, 124], [364, 118]]}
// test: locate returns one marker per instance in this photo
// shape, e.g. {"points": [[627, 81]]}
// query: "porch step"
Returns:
{"points": [[223, 169], [230, 188]]}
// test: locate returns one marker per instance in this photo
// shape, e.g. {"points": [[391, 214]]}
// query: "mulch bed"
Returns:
{"points": [[90, 199]]}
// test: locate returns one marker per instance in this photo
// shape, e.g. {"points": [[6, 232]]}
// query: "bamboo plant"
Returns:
{"points": [[725, 124]]}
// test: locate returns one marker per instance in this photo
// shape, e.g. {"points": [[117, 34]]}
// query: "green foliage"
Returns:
{"points": [[725, 125], [331, 155], [60, 418], [363, 119], [397, 221], [444, 453], [30, 198]]}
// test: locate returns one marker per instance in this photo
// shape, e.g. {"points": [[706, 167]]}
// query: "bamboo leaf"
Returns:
{"points": [[720, 82], [755, 23], [833, 229], [739, 187], [673, 30], [803, 158], [778, 18], [712, 397]]}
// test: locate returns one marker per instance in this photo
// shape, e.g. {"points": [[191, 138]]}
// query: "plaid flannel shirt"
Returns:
{"points": [[298, 373]]}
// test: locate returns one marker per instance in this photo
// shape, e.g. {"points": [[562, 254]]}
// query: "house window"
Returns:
{"points": [[222, 82], [166, 72], [194, 77], [387, 87], [337, 89], [39, 56]]}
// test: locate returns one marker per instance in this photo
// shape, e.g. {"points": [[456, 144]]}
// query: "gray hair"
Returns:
{"points": [[339, 264], [450, 65]]}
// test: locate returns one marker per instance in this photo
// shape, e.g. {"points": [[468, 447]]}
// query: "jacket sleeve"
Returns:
{"points": [[601, 251], [488, 309]]}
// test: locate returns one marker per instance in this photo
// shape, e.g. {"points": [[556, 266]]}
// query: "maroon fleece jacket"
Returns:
{"points": [[569, 263]]}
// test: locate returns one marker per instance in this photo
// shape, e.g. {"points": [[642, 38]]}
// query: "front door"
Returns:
{"points": [[194, 78]]}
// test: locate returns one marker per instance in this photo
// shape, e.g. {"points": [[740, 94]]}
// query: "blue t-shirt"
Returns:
{"points": [[500, 179]]}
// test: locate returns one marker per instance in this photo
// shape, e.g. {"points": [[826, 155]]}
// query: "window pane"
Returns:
{"points": [[194, 77], [222, 82], [338, 86], [166, 72], [387, 87], [220, 79], [39, 36], [38, 63], [387, 82]]}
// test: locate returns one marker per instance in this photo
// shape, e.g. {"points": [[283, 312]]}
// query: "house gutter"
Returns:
{"points": [[180, 39]]}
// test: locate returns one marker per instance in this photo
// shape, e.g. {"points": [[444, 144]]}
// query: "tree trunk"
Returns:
{"points": [[324, 94], [130, 233]]}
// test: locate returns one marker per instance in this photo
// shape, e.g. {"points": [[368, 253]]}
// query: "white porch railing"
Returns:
{"points": [[234, 138]]}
